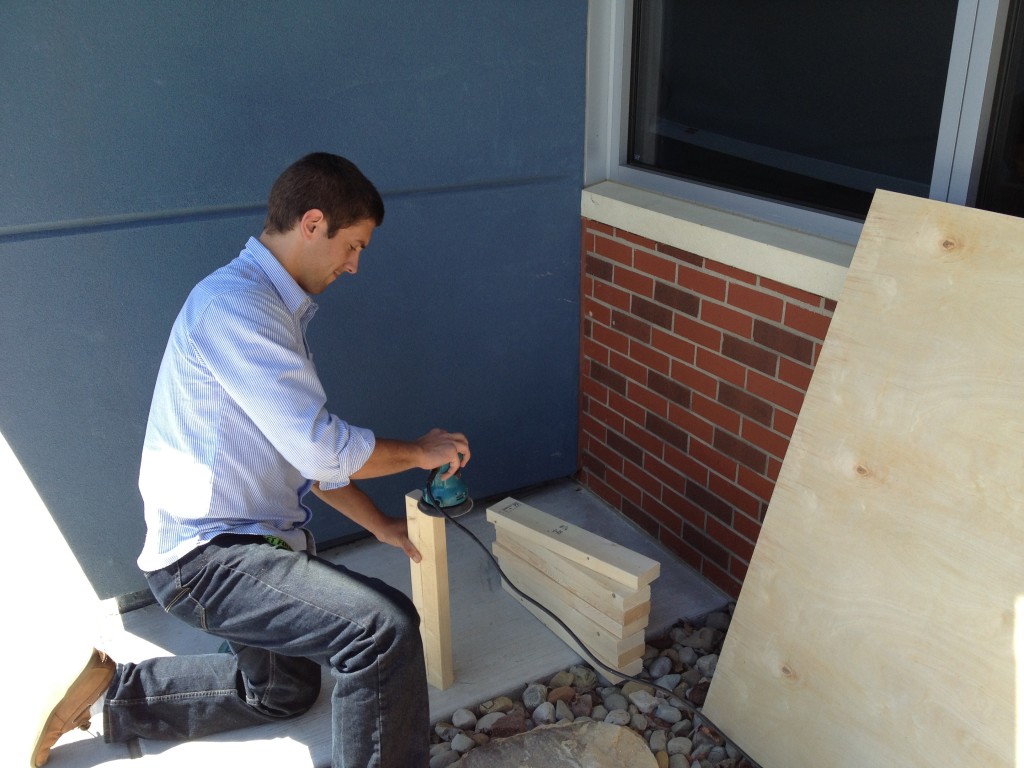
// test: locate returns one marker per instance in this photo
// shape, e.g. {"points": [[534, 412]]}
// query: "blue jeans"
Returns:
{"points": [[285, 614]]}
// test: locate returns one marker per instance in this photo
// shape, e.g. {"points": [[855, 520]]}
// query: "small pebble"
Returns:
{"points": [[669, 682], [704, 639], [562, 693], [445, 759], [717, 754], [534, 694], [562, 679], [643, 701], [683, 661], [500, 704], [445, 731], [687, 656], [633, 685], [584, 678], [564, 712], [706, 664], [683, 726], [615, 701], [544, 714], [668, 714], [479, 738], [582, 705], [462, 743], [618, 717], [680, 745], [658, 741], [509, 725], [485, 723], [718, 620], [660, 667], [440, 748]]}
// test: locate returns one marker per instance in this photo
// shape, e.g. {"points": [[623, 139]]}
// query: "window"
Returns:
{"points": [[793, 112], [1002, 181], [810, 103]]}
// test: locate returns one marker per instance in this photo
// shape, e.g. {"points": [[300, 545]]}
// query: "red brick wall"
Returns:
{"points": [[692, 375]]}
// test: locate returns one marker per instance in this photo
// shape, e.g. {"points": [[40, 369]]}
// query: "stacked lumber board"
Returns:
{"points": [[599, 589]]}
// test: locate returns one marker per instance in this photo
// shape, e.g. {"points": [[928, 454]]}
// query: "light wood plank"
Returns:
{"points": [[559, 599], [617, 600], [430, 591], [574, 543], [629, 663], [876, 621], [617, 650]]}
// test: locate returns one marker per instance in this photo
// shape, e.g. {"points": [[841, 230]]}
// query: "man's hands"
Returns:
{"points": [[395, 531], [440, 448], [433, 450], [352, 502]]}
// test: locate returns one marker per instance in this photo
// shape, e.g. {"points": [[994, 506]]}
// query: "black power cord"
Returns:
{"points": [[689, 707]]}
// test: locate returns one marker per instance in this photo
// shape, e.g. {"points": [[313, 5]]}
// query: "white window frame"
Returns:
{"points": [[963, 127]]}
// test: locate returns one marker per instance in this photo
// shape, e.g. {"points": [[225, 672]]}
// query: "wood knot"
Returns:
{"points": [[861, 470], [949, 244], [788, 673]]}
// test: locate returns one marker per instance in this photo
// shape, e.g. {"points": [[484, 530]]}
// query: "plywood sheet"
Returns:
{"points": [[876, 622]]}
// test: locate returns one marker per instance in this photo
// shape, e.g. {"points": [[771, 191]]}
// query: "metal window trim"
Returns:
{"points": [[970, 86]]}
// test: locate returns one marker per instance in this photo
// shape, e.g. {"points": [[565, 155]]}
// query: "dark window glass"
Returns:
{"points": [[807, 102], [1002, 178]]}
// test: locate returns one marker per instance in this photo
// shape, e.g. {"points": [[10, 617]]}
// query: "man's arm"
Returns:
{"points": [[433, 450], [360, 509], [390, 457]]}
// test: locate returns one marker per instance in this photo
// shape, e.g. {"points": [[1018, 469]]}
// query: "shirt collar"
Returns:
{"points": [[295, 299]]}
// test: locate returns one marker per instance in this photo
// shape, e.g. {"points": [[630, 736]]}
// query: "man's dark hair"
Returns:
{"points": [[329, 183]]}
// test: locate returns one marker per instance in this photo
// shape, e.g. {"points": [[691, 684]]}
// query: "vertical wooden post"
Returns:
{"points": [[430, 591]]}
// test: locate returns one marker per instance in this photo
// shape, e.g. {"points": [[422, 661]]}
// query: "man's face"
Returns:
{"points": [[328, 257]]}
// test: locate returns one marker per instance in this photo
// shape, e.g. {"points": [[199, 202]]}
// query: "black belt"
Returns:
{"points": [[229, 539]]}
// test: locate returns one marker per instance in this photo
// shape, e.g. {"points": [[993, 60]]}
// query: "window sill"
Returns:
{"points": [[807, 262]]}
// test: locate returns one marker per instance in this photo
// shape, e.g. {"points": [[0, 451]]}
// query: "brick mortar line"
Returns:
{"points": [[780, 324], [716, 378]]}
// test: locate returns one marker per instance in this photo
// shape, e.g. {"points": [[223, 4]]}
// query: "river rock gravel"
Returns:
{"points": [[662, 707]]}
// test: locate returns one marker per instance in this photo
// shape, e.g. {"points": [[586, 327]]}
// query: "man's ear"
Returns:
{"points": [[310, 221]]}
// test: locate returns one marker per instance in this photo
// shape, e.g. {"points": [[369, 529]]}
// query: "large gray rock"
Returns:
{"points": [[589, 744]]}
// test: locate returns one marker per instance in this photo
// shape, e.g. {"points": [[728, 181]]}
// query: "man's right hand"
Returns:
{"points": [[435, 449], [441, 447]]}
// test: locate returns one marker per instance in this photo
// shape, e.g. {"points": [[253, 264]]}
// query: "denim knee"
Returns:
{"points": [[404, 616]]}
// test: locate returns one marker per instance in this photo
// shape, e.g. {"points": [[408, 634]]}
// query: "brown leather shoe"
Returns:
{"points": [[72, 711]]}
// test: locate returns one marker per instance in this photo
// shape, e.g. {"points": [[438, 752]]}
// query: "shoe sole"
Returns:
{"points": [[91, 683]]}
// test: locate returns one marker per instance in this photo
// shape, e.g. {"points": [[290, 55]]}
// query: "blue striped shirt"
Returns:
{"points": [[238, 427]]}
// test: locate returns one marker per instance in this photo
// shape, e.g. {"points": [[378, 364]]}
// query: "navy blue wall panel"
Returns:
{"points": [[140, 139]]}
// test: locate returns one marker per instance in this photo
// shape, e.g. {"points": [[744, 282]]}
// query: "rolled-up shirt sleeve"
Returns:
{"points": [[257, 352]]}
